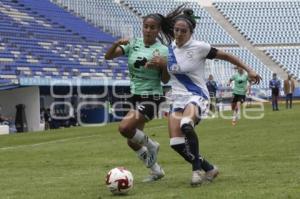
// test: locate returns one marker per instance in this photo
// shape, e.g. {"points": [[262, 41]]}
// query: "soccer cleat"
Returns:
{"points": [[152, 155], [197, 178], [233, 122], [212, 174], [155, 175], [235, 117]]}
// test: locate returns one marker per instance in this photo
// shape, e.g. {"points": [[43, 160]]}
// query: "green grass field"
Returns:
{"points": [[257, 159]]}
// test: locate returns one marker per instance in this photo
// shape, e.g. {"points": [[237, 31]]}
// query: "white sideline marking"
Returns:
{"points": [[63, 140]]}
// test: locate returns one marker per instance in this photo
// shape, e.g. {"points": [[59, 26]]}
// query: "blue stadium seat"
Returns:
{"points": [[264, 22], [33, 42], [207, 29], [287, 58]]}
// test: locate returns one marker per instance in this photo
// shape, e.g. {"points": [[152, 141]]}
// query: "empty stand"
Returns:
{"points": [[264, 22], [67, 39], [108, 14], [207, 29], [287, 58], [39, 45]]}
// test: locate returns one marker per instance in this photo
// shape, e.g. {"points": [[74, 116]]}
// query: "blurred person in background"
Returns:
{"points": [[289, 88], [212, 89], [275, 86], [240, 88]]}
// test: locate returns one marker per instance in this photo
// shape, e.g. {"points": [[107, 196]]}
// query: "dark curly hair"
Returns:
{"points": [[187, 16], [167, 23]]}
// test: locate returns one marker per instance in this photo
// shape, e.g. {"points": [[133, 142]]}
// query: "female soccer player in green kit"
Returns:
{"points": [[146, 72], [241, 86]]}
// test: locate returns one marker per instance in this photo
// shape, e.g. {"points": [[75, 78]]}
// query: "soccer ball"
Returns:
{"points": [[119, 180]]}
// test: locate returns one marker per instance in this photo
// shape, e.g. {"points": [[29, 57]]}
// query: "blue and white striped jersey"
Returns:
{"points": [[186, 66]]}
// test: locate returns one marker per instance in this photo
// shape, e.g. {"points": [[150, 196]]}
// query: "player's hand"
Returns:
{"points": [[157, 62], [254, 77], [122, 41]]}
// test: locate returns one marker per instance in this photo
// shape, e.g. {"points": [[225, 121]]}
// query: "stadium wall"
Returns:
{"points": [[30, 97]]}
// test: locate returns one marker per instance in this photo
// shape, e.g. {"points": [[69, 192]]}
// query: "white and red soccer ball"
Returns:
{"points": [[119, 180]]}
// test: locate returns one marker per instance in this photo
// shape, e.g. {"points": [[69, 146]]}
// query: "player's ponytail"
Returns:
{"points": [[166, 33], [188, 16], [167, 22], [181, 12]]}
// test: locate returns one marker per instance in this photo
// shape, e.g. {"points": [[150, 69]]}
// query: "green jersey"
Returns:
{"points": [[143, 81], [240, 83]]}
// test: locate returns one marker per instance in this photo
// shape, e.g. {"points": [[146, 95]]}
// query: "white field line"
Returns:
{"points": [[63, 140]]}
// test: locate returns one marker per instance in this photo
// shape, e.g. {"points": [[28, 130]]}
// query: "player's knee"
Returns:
{"points": [[125, 130], [186, 125]]}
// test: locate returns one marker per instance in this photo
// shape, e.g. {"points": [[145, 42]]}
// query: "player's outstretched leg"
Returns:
{"points": [[156, 171], [152, 146], [187, 128]]}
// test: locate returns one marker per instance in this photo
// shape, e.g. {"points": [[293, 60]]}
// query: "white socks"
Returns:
{"points": [[155, 167], [186, 120], [177, 140], [142, 153], [235, 116], [142, 139]]}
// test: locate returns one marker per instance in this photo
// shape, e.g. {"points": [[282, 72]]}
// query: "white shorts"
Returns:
{"points": [[179, 102]]}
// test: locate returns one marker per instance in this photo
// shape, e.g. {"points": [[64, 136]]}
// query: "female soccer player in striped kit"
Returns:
{"points": [[186, 64]]}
